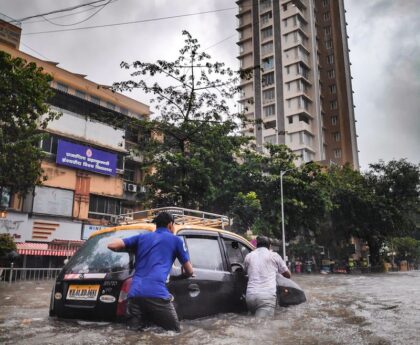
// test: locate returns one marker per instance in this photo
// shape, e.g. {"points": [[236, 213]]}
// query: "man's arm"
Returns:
{"points": [[282, 267], [187, 269], [116, 245], [286, 274]]}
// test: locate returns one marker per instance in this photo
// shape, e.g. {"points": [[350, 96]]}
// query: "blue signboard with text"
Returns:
{"points": [[86, 158]]}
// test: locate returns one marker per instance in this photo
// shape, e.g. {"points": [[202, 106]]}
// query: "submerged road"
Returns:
{"points": [[376, 309]]}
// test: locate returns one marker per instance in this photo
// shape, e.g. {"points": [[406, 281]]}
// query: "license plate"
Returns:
{"points": [[83, 292]]}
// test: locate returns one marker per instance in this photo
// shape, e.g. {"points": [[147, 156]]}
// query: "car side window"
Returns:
{"points": [[236, 251], [205, 253]]}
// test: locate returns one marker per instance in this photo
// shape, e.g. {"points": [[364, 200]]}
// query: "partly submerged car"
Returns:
{"points": [[95, 282]]}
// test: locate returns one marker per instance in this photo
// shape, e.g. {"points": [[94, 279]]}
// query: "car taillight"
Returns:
{"points": [[122, 299]]}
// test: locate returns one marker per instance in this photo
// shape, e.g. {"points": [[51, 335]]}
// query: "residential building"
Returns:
{"points": [[92, 171], [300, 93]]}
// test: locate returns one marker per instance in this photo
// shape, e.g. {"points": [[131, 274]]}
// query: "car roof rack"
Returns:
{"points": [[183, 216]]}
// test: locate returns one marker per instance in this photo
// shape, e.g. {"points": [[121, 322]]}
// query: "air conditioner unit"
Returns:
{"points": [[131, 187], [142, 189]]}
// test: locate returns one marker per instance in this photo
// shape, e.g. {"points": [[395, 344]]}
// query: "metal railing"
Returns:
{"points": [[12, 275]]}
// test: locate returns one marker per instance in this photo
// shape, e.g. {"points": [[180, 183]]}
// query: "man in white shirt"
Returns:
{"points": [[262, 266]]}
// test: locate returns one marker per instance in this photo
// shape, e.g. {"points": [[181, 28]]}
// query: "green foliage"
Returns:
{"points": [[7, 244], [245, 210], [24, 91], [406, 248], [196, 158]]}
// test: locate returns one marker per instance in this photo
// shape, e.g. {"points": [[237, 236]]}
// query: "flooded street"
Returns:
{"points": [[341, 309]]}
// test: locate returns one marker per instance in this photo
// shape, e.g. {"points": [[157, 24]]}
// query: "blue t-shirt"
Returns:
{"points": [[155, 254]]}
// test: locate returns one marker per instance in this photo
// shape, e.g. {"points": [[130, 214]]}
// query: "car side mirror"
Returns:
{"points": [[237, 267]]}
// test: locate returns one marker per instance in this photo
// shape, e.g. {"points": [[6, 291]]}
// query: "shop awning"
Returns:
{"points": [[43, 249]]}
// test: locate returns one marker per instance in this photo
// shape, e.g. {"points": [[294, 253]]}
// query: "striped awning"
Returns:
{"points": [[43, 249]]}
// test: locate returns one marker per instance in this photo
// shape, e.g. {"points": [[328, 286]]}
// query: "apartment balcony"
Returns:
{"points": [[292, 9], [243, 23]]}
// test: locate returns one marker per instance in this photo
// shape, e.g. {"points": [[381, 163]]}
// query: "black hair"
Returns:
{"points": [[263, 241], [163, 219]]}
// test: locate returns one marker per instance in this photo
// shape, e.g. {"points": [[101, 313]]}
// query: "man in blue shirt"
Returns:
{"points": [[148, 298]]}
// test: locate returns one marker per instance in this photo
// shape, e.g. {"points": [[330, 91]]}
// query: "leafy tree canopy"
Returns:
{"points": [[24, 92]]}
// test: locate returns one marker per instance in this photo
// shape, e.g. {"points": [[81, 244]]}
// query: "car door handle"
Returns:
{"points": [[193, 287]]}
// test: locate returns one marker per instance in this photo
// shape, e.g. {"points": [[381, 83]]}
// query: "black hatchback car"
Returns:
{"points": [[95, 282]]}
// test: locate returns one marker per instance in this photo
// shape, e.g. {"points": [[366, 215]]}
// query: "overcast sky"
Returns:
{"points": [[384, 43]]}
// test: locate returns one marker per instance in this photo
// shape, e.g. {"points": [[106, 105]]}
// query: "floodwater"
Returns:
{"points": [[377, 309]]}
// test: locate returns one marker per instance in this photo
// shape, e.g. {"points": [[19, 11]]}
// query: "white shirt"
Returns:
{"points": [[262, 265]]}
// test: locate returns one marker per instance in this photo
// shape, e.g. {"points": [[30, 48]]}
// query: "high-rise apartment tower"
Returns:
{"points": [[300, 92]]}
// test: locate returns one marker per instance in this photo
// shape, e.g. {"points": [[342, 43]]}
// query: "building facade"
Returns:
{"points": [[93, 167], [300, 92]]}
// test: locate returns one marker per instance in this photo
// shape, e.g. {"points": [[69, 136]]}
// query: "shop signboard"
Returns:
{"points": [[90, 229], [86, 158]]}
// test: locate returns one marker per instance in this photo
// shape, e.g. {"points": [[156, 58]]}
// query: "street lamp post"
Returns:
{"points": [[283, 233]]}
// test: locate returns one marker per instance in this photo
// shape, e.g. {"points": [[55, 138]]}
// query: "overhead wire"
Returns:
{"points": [[92, 8], [130, 22], [82, 21], [57, 11]]}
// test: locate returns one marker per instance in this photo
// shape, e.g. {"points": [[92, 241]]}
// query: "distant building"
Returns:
{"points": [[300, 93], [92, 174]]}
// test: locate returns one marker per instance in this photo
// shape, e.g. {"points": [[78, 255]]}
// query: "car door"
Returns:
{"points": [[235, 251], [209, 291]]}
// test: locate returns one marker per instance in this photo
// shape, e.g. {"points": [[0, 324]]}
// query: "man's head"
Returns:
{"points": [[263, 241], [164, 220]]}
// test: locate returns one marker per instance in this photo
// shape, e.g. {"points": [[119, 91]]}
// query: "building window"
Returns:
{"points": [[325, 3], [129, 171], [62, 87], [302, 70], [326, 16], [290, 119], [103, 207], [124, 111], [327, 31], [333, 104], [268, 95], [49, 144], [305, 138], [336, 136], [330, 59], [269, 110], [265, 18], [268, 63], [5, 197], [328, 44], [264, 4], [267, 32], [80, 94], [110, 105], [270, 139], [268, 79], [337, 153], [334, 120], [331, 74], [95, 100], [333, 89], [303, 103], [304, 118], [267, 48]]}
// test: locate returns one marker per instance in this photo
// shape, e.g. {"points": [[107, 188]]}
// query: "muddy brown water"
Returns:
{"points": [[341, 309]]}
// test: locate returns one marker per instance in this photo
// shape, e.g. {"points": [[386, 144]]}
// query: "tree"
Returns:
{"points": [[24, 92], [6, 244], [197, 153], [245, 210], [406, 248], [375, 206]]}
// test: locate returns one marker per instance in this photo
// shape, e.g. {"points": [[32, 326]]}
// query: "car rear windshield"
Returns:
{"points": [[95, 257]]}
